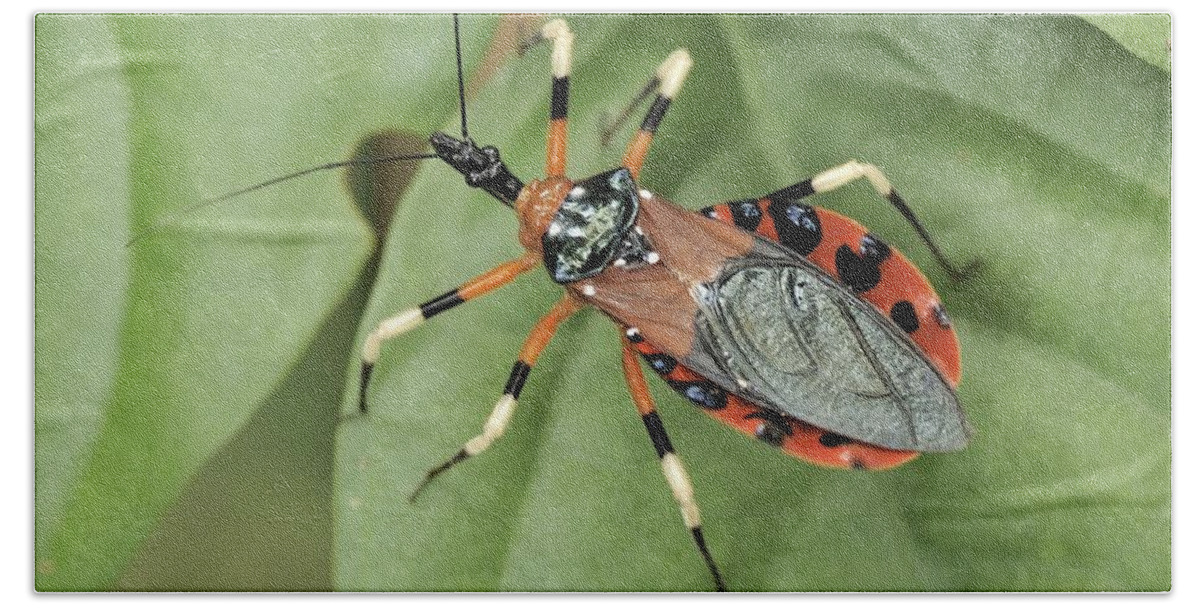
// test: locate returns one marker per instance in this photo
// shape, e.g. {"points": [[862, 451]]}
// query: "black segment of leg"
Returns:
{"points": [[793, 192], [364, 378], [458, 457], [516, 379], [656, 113], [442, 303], [559, 88], [658, 434], [893, 197], [698, 536]]}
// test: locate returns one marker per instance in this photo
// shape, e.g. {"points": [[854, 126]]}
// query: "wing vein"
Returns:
{"points": [[893, 395]]}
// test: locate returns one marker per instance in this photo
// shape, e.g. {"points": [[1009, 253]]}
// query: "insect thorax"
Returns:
{"points": [[592, 227]]}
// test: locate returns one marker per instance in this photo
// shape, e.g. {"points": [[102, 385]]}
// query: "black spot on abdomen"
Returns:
{"points": [[660, 363], [833, 440], [773, 429], [703, 393], [873, 249], [858, 273], [797, 225], [905, 316], [746, 214]]}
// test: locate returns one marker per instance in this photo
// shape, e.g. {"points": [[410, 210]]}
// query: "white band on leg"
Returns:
{"points": [[681, 488], [673, 72], [560, 56], [388, 329], [848, 172], [494, 427]]}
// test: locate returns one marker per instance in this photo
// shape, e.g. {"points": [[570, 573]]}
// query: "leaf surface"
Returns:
{"points": [[1036, 144]]}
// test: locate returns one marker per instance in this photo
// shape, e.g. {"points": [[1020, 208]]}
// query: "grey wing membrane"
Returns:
{"points": [[777, 330]]}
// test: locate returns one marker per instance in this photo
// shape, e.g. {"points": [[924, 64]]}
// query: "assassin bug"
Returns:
{"points": [[787, 322]]}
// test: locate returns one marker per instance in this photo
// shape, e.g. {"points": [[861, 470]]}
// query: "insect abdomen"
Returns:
{"points": [[878, 274], [794, 437]]}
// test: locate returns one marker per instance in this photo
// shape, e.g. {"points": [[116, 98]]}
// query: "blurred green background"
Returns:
{"points": [[189, 388]]}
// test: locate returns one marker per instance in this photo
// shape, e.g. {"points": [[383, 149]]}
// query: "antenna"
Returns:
{"points": [[173, 215], [509, 184], [462, 96]]}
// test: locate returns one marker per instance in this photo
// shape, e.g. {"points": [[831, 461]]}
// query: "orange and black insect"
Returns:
{"points": [[788, 322]]}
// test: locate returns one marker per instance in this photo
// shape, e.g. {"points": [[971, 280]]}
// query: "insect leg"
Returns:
{"points": [[494, 427], [560, 69], [834, 178], [409, 319], [609, 128], [672, 466], [670, 76]]}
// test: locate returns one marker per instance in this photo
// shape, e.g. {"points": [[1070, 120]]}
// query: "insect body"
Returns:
{"points": [[785, 321]]}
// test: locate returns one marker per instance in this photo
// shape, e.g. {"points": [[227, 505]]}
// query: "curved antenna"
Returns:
{"points": [[462, 96], [462, 107], [170, 217]]}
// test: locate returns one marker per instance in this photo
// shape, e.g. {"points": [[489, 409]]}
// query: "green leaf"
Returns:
{"points": [[1146, 35], [989, 126], [1036, 144], [152, 359]]}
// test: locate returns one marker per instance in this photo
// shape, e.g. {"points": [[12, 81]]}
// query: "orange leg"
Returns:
{"points": [[669, 77], [672, 466], [502, 413], [409, 319], [560, 68], [846, 173]]}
